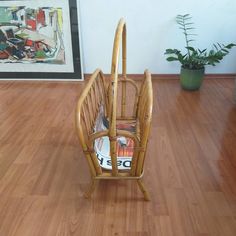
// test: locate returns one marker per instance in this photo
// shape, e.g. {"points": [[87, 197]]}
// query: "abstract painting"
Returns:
{"points": [[39, 39], [31, 35]]}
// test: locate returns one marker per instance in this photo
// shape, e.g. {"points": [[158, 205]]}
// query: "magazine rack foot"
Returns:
{"points": [[143, 190]]}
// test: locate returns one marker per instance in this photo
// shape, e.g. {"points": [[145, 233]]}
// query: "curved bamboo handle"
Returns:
{"points": [[120, 35]]}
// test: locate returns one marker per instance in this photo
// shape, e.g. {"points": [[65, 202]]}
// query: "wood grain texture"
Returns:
{"points": [[190, 167]]}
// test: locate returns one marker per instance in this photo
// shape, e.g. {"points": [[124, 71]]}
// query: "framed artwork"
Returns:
{"points": [[39, 39]]}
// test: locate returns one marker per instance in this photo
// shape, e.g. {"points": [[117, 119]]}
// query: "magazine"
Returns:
{"points": [[125, 146]]}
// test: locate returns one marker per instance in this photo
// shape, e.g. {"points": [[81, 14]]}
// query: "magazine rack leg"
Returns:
{"points": [[91, 188], [143, 190]]}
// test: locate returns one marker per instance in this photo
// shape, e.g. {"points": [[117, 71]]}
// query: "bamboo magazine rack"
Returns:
{"points": [[113, 141]]}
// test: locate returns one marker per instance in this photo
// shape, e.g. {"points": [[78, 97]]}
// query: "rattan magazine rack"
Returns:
{"points": [[115, 143]]}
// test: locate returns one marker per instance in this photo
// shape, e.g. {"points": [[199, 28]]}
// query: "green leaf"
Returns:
{"points": [[187, 18], [180, 23], [172, 59], [191, 49], [202, 51], [171, 51], [180, 16], [229, 46], [219, 45], [215, 47], [224, 50]]}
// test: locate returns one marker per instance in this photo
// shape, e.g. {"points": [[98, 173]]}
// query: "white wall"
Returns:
{"points": [[151, 29]]}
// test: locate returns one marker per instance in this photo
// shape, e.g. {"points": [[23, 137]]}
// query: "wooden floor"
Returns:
{"points": [[190, 167]]}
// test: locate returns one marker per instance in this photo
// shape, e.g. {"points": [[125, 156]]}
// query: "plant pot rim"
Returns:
{"points": [[203, 68]]}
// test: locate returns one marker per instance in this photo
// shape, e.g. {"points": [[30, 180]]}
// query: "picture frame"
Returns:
{"points": [[40, 40]]}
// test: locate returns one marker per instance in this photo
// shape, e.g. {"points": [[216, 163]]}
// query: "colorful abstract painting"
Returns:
{"points": [[39, 39], [31, 35]]}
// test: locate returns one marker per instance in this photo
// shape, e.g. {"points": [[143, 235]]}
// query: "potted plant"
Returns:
{"points": [[194, 60]]}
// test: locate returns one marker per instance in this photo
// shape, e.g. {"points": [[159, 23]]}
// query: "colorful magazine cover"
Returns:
{"points": [[102, 145]]}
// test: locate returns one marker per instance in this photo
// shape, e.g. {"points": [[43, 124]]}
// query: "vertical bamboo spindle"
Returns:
{"points": [[146, 122], [123, 92]]}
